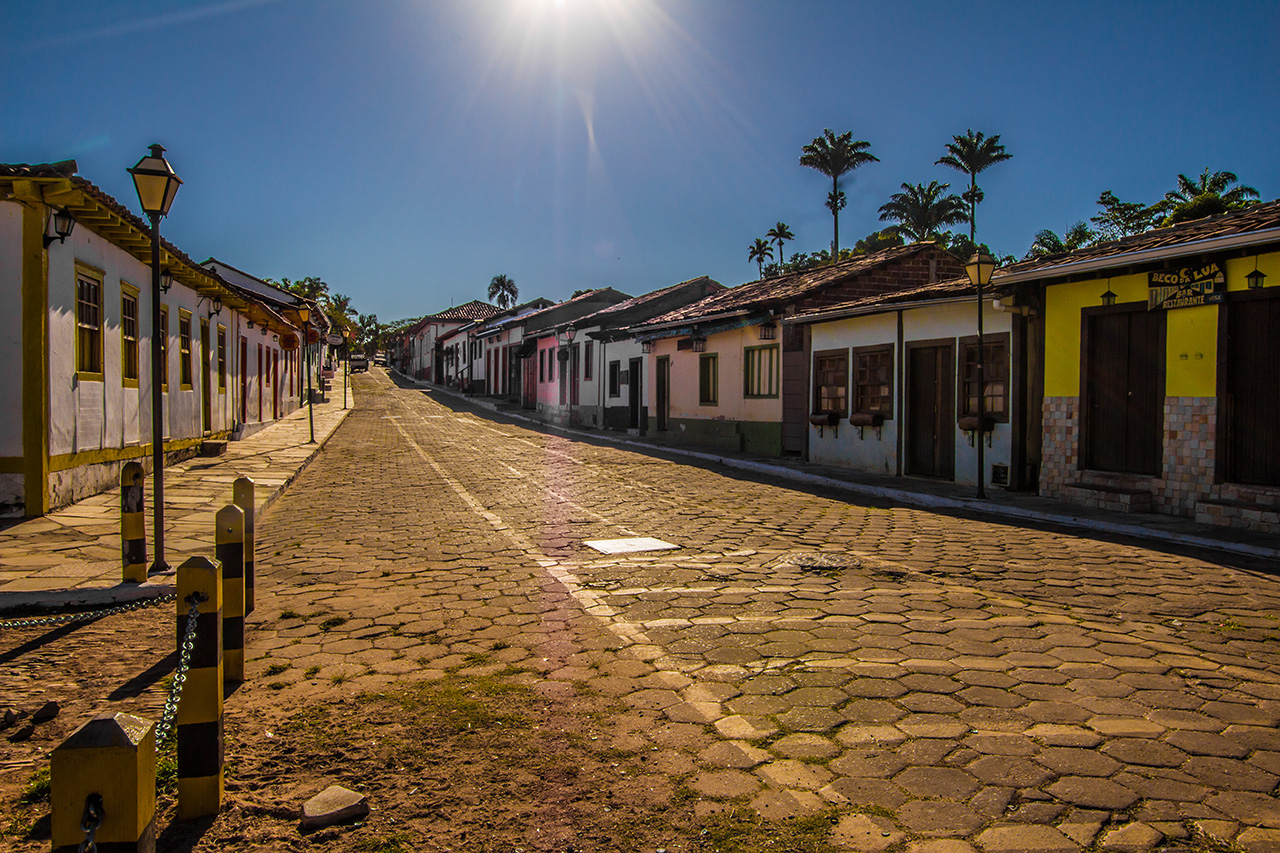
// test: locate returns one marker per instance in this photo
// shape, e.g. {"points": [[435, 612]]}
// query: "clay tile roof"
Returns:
{"points": [[1257, 217], [61, 169], [787, 288], [602, 316], [473, 310]]}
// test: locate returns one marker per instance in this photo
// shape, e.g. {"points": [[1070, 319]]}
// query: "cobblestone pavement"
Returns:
{"points": [[946, 682]]}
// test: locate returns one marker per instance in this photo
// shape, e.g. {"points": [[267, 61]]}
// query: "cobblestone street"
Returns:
{"points": [[927, 682]]}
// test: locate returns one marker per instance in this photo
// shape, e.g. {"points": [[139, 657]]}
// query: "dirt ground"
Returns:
{"points": [[473, 759]]}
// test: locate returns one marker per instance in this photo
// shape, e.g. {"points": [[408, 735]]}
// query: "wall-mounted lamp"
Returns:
{"points": [[1108, 298], [216, 309], [768, 331], [275, 337], [646, 346], [166, 280], [699, 344], [63, 224], [250, 324], [1254, 278], [264, 331]]}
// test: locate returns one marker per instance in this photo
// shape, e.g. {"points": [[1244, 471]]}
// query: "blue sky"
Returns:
{"points": [[406, 151]]}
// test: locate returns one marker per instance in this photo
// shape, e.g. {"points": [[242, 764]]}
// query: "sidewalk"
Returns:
{"points": [[1017, 507], [71, 557]]}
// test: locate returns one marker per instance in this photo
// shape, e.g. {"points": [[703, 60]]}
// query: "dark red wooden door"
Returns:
{"points": [[1124, 392], [1252, 405]]}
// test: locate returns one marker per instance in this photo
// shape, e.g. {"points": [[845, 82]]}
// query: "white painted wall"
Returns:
{"points": [[10, 334], [876, 450]]}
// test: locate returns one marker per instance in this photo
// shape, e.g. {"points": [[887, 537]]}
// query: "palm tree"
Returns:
{"points": [[836, 156], [1047, 242], [1208, 195], [971, 154], [502, 290], [760, 251], [780, 234], [921, 211]]}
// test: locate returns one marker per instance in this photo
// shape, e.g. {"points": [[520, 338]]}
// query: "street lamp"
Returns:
{"points": [[346, 370], [156, 184], [979, 270], [304, 314]]}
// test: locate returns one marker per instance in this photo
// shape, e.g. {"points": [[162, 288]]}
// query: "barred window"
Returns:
{"points": [[831, 382], [184, 348], [88, 325], [760, 371], [873, 380], [995, 368], [222, 361], [129, 338], [587, 359], [708, 379]]}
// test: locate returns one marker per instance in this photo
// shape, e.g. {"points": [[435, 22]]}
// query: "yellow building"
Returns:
{"points": [[1161, 378]]}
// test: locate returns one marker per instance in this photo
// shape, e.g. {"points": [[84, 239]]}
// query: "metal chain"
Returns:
{"points": [[86, 615], [165, 729], [93, 814]]}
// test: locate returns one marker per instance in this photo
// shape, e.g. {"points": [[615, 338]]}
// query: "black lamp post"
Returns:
{"points": [[346, 366], [979, 270], [304, 314], [157, 184]]}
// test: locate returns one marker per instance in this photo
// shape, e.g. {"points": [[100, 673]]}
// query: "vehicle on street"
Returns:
{"points": [[359, 361]]}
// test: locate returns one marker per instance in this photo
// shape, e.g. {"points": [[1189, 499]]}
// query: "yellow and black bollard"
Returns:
{"points": [[102, 786], [242, 493], [133, 523], [199, 720], [229, 550]]}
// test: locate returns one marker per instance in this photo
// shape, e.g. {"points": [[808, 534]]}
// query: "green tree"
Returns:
{"points": [[921, 210], [760, 251], [780, 234], [1047, 242], [310, 287], [836, 156], [973, 154], [877, 240], [503, 291], [1208, 195], [368, 335], [1123, 218]]}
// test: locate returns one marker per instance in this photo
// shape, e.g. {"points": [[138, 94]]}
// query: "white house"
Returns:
{"points": [[76, 399]]}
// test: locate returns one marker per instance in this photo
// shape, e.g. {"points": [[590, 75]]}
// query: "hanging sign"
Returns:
{"points": [[288, 342], [1186, 287]]}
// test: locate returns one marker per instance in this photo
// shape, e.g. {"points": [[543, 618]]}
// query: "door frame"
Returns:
{"points": [[947, 406]]}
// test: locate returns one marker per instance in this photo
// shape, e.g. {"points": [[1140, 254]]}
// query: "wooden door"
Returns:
{"points": [[530, 397], [244, 380], [635, 392], [1123, 412], [275, 384], [795, 390], [1251, 408], [931, 411], [663, 389]]}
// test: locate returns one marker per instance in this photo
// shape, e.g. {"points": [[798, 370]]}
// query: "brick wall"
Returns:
{"points": [[912, 271], [1190, 434]]}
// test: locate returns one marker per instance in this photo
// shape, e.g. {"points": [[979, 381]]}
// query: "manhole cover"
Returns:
{"points": [[628, 546]]}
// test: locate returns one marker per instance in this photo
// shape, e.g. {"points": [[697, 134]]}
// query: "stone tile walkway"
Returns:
{"points": [[72, 555]]}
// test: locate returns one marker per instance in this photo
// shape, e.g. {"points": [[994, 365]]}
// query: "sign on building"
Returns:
{"points": [[1186, 287]]}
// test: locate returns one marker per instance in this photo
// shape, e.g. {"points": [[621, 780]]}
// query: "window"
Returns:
{"points": [[615, 379], [222, 360], [128, 335], [873, 380], [184, 349], [831, 382], [542, 365], [551, 365], [88, 325], [760, 371], [586, 356], [708, 379], [164, 347], [996, 373]]}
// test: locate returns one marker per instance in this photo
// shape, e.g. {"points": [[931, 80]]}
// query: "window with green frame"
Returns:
{"points": [[184, 349], [760, 371], [88, 326], [128, 336], [708, 379]]}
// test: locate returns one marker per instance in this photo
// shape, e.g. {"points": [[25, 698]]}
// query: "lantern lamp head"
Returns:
{"points": [[1255, 279], [1108, 298], [63, 223], [156, 182], [980, 268]]}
